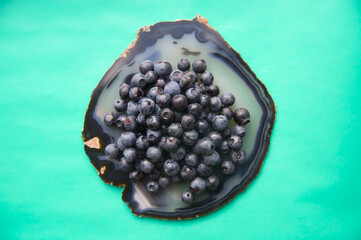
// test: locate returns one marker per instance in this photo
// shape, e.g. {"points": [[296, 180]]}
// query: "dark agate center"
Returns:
{"points": [[172, 41]]}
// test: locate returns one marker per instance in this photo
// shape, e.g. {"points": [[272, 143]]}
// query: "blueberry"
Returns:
{"points": [[204, 170], [204, 101], [130, 155], [164, 100], [154, 136], [171, 167], [154, 174], [187, 173], [199, 65], [228, 167], [212, 159], [216, 137], [183, 64], [207, 78], [146, 106], [109, 119], [154, 92], [212, 90], [238, 157], [202, 126], [128, 139], [177, 116], [220, 123], [200, 87], [239, 130], [203, 116], [146, 166], [224, 148], [124, 91], [191, 74], [212, 182], [153, 122], [112, 151], [162, 143], [141, 119], [142, 143], [132, 108], [175, 130], [121, 120], [227, 133], [191, 159], [210, 117], [197, 185], [120, 145], [171, 144], [162, 68], [154, 154], [206, 146], [163, 181], [228, 99], [152, 187], [226, 111], [120, 104], [172, 88], [187, 196], [195, 109], [146, 66], [179, 154], [190, 137], [130, 123], [166, 115], [195, 149], [241, 116], [186, 82], [179, 102], [188, 122], [160, 83], [192, 95], [176, 75], [125, 166], [215, 104], [136, 175], [157, 110], [138, 81], [235, 142]]}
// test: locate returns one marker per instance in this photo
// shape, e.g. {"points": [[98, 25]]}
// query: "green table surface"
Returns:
{"points": [[308, 54]]}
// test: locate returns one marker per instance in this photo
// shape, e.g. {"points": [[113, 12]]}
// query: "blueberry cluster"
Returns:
{"points": [[176, 128]]}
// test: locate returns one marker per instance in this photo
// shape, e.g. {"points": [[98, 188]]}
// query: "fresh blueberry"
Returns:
{"points": [[154, 174], [154, 92], [146, 106], [228, 99], [132, 108], [204, 170], [172, 88], [130, 155], [200, 87], [197, 185], [204, 101], [235, 142], [190, 137], [220, 123], [228, 167], [146, 166], [188, 173], [179, 102], [152, 186], [216, 137], [195, 149], [128, 139], [142, 143], [188, 122], [124, 91], [112, 151], [212, 90], [212, 182], [109, 119], [226, 111], [162, 68], [120, 145], [191, 159], [163, 181], [125, 166], [179, 154], [212, 159], [192, 95], [150, 77], [120, 104], [176, 75], [238, 157], [141, 119], [135, 93], [146, 66], [202, 126], [224, 148], [183, 64], [157, 110], [239, 130], [207, 78], [171, 144], [130, 123], [241, 116], [154, 154], [199, 66], [187, 196], [138, 81], [227, 132], [215, 104], [166, 115], [162, 143], [186, 82], [206, 146], [121, 120], [171, 167], [154, 136], [160, 82], [136, 175], [153, 122], [175, 130], [191, 74], [210, 117], [164, 100], [195, 109]]}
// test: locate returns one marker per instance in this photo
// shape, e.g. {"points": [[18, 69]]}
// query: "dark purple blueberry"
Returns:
{"points": [[121, 120], [188, 173], [152, 186], [191, 74], [150, 77], [200, 87], [199, 66], [238, 157], [216, 137], [146, 106], [192, 95], [202, 126], [109, 119], [228, 99], [179, 154], [162, 68], [195, 149], [241, 116], [166, 115], [175, 130], [146, 166], [142, 143], [171, 144], [224, 148], [226, 111], [160, 83], [207, 78], [154, 136], [130, 154], [212, 90], [130, 123], [197, 185], [172, 88], [212, 159], [154, 92], [215, 104], [188, 122], [154, 154], [179, 102], [136, 176], [184, 65], [195, 109], [239, 130], [132, 108], [228, 167], [141, 119], [138, 81], [164, 100], [235, 142], [125, 166], [154, 174], [163, 181], [191, 159], [190, 137], [153, 122], [212, 182], [227, 133], [220, 123], [176, 75], [146, 66], [136, 93], [120, 104], [112, 151], [186, 82], [171, 167], [187, 196], [124, 90], [204, 170], [163, 142], [206, 146], [128, 139], [204, 101], [210, 117]]}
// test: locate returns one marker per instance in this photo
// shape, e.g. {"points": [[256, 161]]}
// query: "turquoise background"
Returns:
{"points": [[308, 54]]}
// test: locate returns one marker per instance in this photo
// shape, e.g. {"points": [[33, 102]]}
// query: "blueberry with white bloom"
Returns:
{"points": [[146, 66], [112, 151]]}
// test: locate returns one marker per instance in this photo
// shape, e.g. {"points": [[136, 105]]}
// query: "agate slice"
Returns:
{"points": [[188, 39]]}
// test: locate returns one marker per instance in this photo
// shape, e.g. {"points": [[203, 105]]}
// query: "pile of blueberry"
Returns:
{"points": [[176, 128]]}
